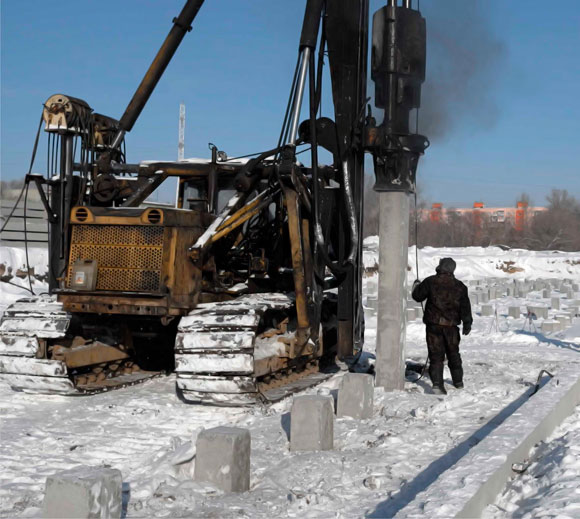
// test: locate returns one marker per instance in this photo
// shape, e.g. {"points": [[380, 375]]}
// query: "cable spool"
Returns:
{"points": [[63, 113]]}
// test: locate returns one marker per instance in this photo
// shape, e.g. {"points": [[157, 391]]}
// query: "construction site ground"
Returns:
{"points": [[377, 466]]}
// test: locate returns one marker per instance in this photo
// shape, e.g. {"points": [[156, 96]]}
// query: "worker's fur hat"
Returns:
{"points": [[446, 265]]}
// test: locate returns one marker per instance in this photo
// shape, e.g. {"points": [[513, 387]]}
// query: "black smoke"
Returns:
{"points": [[465, 59]]}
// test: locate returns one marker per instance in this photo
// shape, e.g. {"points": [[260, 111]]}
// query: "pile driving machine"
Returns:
{"points": [[254, 277]]}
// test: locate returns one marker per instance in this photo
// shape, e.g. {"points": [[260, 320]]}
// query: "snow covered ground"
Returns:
{"points": [[377, 466], [551, 485]]}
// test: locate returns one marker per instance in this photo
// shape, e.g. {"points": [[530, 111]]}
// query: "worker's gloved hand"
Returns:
{"points": [[415, 283], [466, 329]]}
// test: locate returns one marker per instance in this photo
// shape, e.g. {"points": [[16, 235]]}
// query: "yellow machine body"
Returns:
{"points": [[142, 262]]}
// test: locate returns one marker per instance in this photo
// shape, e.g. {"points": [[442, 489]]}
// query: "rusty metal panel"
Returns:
{"points": [[129, 257]]}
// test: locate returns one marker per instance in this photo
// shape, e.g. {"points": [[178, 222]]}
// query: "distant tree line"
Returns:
{"points": [[558, 228]]}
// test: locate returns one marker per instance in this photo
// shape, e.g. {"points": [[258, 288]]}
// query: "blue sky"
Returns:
{"points": [[514, 126]]}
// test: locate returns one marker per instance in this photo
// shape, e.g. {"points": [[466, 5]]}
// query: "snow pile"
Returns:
{"points": [[484, 262], [550, 483], [15, 282], [14, 259]]}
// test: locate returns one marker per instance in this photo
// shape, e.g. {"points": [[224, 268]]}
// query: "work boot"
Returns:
{"points": [[458, 385], [439, 390]]}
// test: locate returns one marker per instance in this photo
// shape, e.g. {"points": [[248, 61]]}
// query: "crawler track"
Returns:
{"points": [[25, 330], [230, 354]]}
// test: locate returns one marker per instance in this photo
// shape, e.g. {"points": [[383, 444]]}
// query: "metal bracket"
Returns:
{"points": [[39, 180]]}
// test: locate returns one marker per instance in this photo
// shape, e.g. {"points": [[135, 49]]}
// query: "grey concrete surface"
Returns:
{"points": [[540, 311], [312, 423], [223, 458], [486, 310], [83, 493], [356, 396], [391, 317]]}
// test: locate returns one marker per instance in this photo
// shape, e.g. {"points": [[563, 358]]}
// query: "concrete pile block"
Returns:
{"points": [[546, 293], [514, 311], [540, 311], [83, 492], [372, 285], [411, 314], [223, 458], [484, 297], [372, 302], [355, 396], [576, 287], [473, 298], [574, 310], [486, 310], [492, 293], [569, 293], [419, 312], [555, 303], [312, 423], [564, 319], [549, 326]]}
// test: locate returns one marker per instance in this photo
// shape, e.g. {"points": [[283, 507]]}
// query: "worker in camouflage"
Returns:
{"points": [[447, 306]]}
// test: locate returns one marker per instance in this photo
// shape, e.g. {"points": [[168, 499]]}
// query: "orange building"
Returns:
{"points": [[517, 216]]}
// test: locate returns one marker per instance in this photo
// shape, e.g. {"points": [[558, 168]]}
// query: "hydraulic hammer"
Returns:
{"points": [[398, 69]]}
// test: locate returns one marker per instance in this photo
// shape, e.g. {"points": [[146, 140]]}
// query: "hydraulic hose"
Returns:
{"points": [[334, 267]]}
